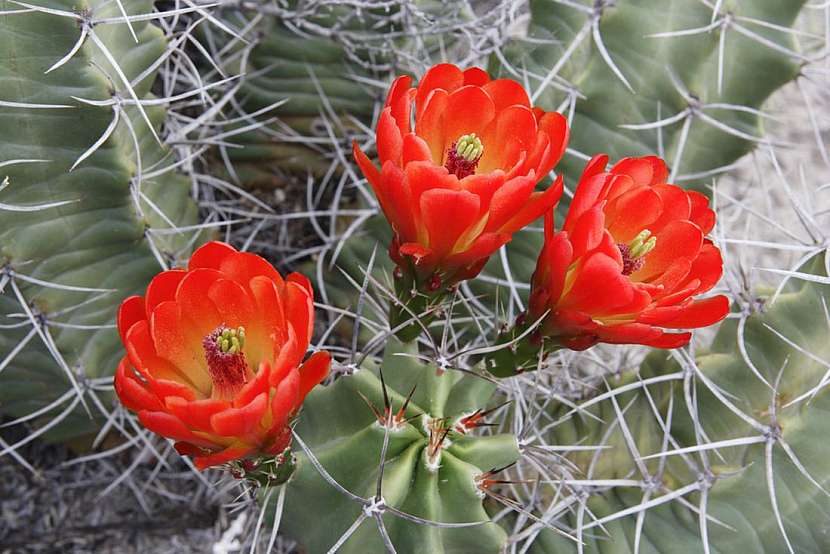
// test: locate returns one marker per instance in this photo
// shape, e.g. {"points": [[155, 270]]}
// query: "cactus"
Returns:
{"points": [[434, 462], [86, 219], [750, 463]]}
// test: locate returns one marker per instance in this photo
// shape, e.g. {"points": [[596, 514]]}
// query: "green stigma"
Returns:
{"points": [[642, 244], [231, 341], [469, 147]]}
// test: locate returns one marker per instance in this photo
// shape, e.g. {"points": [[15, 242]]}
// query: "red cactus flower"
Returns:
{"points": [[461, 182], [629, 261], [214, 355]]}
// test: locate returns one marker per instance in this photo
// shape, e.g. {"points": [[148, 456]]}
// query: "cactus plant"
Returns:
{"points": [[744, 449], [402, 437], [87, 214]]}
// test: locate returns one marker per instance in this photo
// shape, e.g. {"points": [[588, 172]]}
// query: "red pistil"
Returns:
{"points": [[459, 165], [630, 264]]}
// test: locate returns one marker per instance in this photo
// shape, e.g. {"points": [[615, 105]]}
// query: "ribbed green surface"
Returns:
{"points": [[98, 239], [740, 497], [344, 436]]}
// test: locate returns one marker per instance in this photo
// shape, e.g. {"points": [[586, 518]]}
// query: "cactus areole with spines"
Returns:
{"points": [[214, 358]]}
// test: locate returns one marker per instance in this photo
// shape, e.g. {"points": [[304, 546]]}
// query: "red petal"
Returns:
{"points": [[536, 206], [240, 422], [244, 266], [286, 400], [400, 100], [587, 193], [555, 125], [233, 303], [162, 288], [196, 308], [177, 344], [701, 215], [210, 255], [196, 414], [512, 132], [475, 76], [676, 206], [483, 247], [299, 312], [442, 76], [628, 333], [599, 286], [483, 185], [678, 239], [168, 425], [588, 231], [131, 392], [447, 214], [641, 170], [430, 123], [631, 213], [669, 340], [389, 138], [508, 200], [130, 312], [366, 166], [396, 200], [227, 455], [469, 110], [313, 371], [416, 149], [506, 92], [701, 313], [551, 268], [270, 309]]}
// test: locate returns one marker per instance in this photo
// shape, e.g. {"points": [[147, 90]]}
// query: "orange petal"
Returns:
{"points": [[441, 76], [168, 425], [506, 92], [240, 422], [162, 288], [475, 76], [447, 214], [227, 455], [244, 266], [389, 139], [430, 123], [210, 255], [469, 110], [130, 311], [313, 371]]}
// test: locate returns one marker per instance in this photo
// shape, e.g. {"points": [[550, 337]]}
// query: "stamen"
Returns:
{"points": [[463, 155], [226, 361], [633, 253]]}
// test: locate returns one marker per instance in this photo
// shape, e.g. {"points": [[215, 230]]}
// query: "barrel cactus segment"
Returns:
{"points": [[396, 447], [638, 82], [90, 209], [742, 470]]}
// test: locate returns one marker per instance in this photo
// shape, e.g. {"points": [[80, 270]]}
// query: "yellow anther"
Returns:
{"points": [[469, 147], [642, 244], [231, 341]]}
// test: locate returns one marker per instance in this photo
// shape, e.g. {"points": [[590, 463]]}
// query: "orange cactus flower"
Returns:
{"points": [[626, 268], [629, 261], [459, 184], [214, 355]]}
